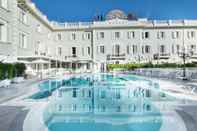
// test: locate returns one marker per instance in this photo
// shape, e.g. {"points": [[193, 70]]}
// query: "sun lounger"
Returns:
{"points": [[18, 80], [5, 83]]}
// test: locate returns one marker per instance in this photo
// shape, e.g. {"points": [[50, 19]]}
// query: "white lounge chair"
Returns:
{"points": [[18, 80], [5, 83]]}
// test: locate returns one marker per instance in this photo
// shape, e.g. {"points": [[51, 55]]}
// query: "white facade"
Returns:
{"points": [[27, 34]]}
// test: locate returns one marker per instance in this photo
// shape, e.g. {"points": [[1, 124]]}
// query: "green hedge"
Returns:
{"points": [[133, 66], [11, 70]]}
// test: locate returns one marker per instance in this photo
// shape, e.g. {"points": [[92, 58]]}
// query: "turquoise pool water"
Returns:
{"points": [[105, 102], [104, 127], [46, 88]]}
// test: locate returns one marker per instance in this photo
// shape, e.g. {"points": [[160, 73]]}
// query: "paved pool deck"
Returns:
{"points": [[12, 118], [17, 90], [189, 116], [12, 111]]}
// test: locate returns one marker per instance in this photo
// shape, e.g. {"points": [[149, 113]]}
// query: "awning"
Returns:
{"points": [[40, 61], [24, 62], [8, 59]]}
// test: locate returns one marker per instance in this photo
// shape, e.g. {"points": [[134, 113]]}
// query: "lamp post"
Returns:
{"points": [[184, 56], [184, 63]]}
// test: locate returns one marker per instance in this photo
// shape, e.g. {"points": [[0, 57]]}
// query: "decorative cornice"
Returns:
{"points": [[28, 5]]}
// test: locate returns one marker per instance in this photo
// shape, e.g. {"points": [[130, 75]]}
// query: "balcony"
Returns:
{"points": [[71, 58], [116, 57], [162, 56], [75, 58], [194, 56]]}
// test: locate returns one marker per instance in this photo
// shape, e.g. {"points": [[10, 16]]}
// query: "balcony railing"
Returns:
{"points": [[194, 55], [116, 57], [162, 56], [70, 57]]}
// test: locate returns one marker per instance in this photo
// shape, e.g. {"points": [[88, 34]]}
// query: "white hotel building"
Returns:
{"points": [[27, 35]]}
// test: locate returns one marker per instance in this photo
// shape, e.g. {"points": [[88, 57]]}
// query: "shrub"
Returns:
{"points": [[11, 70], [20, 69], [133, 66]]}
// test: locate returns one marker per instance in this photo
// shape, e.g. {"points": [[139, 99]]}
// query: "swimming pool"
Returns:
{"points": [[105, 102]]}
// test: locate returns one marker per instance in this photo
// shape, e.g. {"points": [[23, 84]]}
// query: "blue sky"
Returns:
{"points": [[84, 10]]}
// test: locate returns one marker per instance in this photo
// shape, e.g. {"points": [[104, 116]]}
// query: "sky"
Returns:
{"points": [[85, 10]]}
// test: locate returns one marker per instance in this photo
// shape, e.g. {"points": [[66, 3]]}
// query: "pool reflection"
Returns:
{"points": [[117, 103]]}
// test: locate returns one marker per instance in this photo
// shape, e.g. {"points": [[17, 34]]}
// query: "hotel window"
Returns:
{"points": [[102, 35], [148, 93], [89, 51], [129, 93], [172, 49], [37, 47], [192, 49], [74, 51], [73, 36], [118, 109], [97, 49], [117, 50], [86, 36], [161, 35], [191, 34], [89, 93], [22, 40], [148, 108], [175, 34], [147, 49], [131, 35], [59, 107], [59, 36], [117, 35], [89, 108], [128, 49], [59, 51], [132, 108], [145, 35], [134, 49], [178, 49], [3, 32], [83, 93], [103, 108], [74, 93], [74, 107], [142, 49], [103, 94], [162, 49], [118, 94], [4, 3], [83, 52], [23, 17], [102, 49]]}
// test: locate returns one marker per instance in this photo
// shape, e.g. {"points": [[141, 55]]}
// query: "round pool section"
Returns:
{"points": [[105, 102]]}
